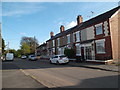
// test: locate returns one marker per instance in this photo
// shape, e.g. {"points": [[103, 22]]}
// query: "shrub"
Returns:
{"points": [[70, 53]]}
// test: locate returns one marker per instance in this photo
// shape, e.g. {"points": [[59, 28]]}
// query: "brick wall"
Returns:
{"points": [[115, 35]]}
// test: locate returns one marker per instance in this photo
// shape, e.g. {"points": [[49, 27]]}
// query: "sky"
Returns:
{"points": [[40, 18]]}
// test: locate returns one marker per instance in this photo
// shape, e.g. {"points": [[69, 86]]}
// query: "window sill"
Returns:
{"points": [[78, 55], [100, 52]]}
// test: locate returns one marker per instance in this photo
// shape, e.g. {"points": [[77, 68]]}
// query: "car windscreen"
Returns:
{"points": [[32, 56], [55, 56], [62, 56]]}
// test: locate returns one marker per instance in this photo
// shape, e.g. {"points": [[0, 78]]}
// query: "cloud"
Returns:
{"points": [[19, 9], [71, 24], [23, 34], [67, 25]]}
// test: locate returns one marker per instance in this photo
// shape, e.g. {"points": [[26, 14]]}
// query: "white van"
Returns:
{"points": [[9, 56]]}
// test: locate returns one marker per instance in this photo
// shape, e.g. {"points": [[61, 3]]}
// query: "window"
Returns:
{"points": [[74, 37], [68, 38], [78, 50], [58, 40], [99, 30], [53, 43], [53, 50], [47, 44], [77, 36], [100, 46], [61, 50], [56, 57], [62, 56]]}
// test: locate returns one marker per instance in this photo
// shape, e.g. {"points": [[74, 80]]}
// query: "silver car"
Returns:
{"points": [[32, 57]]}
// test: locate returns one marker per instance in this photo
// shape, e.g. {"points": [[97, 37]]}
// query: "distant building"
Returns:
{"points": [[0, 41], [42, 50], [94, 39]]}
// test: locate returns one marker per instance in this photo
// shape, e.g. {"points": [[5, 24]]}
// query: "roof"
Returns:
{"points": [[92, 21], [42, 45]]}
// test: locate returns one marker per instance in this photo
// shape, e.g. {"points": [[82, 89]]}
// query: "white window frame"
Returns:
{"points": [[74, 37], [58, 41], [96, 27], [77, 36], [78, 52], [103, 43], [53, 41], [68, 39]]}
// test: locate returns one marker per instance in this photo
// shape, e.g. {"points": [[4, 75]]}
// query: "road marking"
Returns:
{"points": [[24, 72], [33, 77]]}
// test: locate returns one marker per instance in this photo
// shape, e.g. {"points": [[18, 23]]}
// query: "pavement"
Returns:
{"points": [[112, 68], [105, 67]]}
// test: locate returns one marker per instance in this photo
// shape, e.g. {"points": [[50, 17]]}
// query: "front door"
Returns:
{"points": [[88, 52]]}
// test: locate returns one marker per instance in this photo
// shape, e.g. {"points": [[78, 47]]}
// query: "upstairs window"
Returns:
{"points": [[77, 36], [47, 44], [53, 43], [99, 30], [74, 37], [68, 38], [58, 40]]}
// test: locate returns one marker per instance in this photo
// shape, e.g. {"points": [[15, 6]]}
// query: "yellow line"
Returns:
{"points": [[32, 77], [24, 72]]}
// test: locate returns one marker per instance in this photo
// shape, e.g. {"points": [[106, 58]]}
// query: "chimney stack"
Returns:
{"points": [[79, 19], [51, 34], [62, 28]]}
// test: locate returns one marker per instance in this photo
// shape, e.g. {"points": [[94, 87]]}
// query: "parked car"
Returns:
{"points": [[32, 57], [2, 58], [59, 59], [23, 57], [9, 57]]}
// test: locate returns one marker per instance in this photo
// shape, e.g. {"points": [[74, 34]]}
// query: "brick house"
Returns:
{"points": [[94, 39], [42, 50]]}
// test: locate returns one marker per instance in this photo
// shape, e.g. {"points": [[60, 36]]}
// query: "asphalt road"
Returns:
{"points": [[22, 73]]}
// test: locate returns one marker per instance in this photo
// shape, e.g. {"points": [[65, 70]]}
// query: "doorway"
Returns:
{"points": [[88, 51]]}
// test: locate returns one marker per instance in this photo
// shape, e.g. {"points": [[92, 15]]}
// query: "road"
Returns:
{"points": [[22, 73]]}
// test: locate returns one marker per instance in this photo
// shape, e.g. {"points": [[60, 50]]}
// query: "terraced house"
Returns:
{"points": [[95, 39]]}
